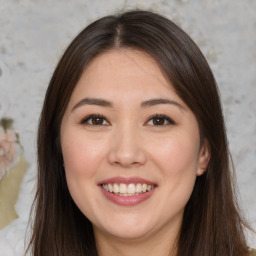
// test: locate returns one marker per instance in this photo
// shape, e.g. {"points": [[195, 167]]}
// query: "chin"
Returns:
{"points": [[126, 230], [130, 234]]}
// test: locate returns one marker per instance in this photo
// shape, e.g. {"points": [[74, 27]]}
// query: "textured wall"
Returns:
{"points": [[35, 33]]}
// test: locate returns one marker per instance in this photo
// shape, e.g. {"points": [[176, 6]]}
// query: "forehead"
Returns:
{"points": [[122, 74], [121, 58]]}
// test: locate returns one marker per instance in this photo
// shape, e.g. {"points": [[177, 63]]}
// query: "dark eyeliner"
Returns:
{"points": [[164, 117], [85, 119]]}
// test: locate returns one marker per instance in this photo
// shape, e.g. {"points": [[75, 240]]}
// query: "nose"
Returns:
{"points": [[126, 148]]}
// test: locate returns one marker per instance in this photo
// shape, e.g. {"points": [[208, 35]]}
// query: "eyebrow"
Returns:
{"points": [[93, 101], [153, 102], [144, 104]]}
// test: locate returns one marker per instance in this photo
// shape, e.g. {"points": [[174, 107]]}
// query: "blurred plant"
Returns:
{"points": [[10, 147]]}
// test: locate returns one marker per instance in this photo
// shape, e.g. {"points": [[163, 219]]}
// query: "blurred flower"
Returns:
{"points": [[9, 147]]}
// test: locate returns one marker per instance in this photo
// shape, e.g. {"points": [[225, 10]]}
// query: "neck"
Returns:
{"points": [[162, 243]]}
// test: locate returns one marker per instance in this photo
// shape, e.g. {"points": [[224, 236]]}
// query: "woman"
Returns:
{"points": [[132, 149]]}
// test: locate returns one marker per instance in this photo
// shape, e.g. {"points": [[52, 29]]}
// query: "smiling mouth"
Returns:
{"points": [[127, 189]]}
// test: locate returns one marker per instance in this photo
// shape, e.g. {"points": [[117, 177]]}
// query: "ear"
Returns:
{"points": [[204, 158]]}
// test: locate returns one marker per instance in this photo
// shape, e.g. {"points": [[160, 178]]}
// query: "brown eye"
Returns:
{"points": [[96, 120], [160, 120]]}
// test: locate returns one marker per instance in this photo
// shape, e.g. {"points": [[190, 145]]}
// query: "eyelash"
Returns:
{"points": [[157, 116], [161, 116], [87, 118]]}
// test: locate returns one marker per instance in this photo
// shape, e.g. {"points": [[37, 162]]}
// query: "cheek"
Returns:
{"points": [[82, 159], [177, 154], [81, 156], [177, 160]]}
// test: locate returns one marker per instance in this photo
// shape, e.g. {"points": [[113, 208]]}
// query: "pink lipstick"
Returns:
{"points": [[127, 191]]}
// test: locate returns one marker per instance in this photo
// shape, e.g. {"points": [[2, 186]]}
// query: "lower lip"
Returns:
{"points": [[127, 200]]}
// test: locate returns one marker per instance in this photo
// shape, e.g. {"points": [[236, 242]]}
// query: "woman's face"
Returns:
{"points": [[131, 147]]}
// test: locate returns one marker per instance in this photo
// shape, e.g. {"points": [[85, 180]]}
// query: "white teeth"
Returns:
{"points": [[116, 188], [138, 188], [127, 189], [131, 189], [110, 188], [123, 188]]}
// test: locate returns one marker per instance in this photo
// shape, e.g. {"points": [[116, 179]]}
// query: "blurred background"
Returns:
{"points": [[34, 34]]}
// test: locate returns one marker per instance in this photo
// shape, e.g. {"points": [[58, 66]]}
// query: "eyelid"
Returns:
{"points": [[170, 120], [85, 119]]}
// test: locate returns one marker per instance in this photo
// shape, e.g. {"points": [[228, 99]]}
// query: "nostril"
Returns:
{"points": [[127, 157]]}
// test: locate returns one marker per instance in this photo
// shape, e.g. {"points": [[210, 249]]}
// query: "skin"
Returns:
{"points": [[128, 142]]}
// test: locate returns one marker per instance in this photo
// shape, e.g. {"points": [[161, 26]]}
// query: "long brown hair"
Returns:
{"points": [[212, 224]]}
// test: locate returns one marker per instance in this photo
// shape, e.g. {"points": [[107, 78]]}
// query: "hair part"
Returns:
{"points": [[212, 224]]}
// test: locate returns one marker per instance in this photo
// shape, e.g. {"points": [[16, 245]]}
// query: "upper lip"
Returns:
{"points": [[126, 180]]}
